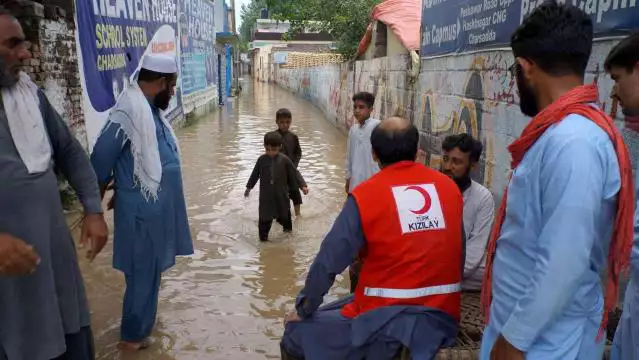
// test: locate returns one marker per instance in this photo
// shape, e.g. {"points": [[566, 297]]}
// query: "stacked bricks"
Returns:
{"points": [[296, 60]]}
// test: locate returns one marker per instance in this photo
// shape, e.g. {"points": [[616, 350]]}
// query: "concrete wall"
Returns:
{"points": [[471, 93]]}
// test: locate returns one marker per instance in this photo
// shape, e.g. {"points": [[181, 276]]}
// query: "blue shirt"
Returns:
{"points": [[143, 227], [634, 258], [406, 324], [547, 288], [626, 342]]}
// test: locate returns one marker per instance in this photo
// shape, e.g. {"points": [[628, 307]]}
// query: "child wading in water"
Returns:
{"points": [[277, 175], [291, 148]]}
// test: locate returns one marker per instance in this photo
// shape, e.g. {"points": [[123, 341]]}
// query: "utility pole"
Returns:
{"points": [[236, 50]]}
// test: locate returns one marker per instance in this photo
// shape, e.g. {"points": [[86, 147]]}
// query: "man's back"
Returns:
{"points": [[291, 146], [553, 244], [412, 219]]}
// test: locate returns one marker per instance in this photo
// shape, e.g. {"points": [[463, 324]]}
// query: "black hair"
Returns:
{"points": [[395, 145], [625, 54], [556, 37], [283, 114], [366, 97], [466, 144], [150, 76], [273, 139]]}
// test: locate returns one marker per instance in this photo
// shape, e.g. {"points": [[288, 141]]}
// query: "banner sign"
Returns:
{"points": [[112, 37], [451, 26], [197, 46], [280, 57]]}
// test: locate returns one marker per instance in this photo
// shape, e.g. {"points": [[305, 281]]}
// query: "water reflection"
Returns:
{"points": [[228, 300]]}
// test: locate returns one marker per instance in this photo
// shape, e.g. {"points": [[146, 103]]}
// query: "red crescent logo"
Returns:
{"points": [[427, 200]]}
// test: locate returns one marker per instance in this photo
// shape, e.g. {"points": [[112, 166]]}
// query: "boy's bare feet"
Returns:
{"points": [[134, 346]]}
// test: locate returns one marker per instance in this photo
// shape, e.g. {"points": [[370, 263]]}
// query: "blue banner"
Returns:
{"points": [[465, 25], [114, 35], [197, 45]]}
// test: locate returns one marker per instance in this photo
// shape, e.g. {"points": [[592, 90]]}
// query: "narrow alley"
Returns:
{"points": [[228, 300]]}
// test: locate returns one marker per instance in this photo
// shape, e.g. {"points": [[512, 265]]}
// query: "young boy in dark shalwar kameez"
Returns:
{"points": [[291, 148], [277, 176]]}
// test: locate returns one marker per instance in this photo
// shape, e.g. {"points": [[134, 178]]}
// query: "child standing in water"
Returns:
{"points": [[277, 175], [291, 148]]}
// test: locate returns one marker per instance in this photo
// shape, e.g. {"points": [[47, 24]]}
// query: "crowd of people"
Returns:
{"points": [[547, 261]]}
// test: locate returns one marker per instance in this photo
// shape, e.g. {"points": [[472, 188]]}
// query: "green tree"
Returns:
{"points": [[248, 15], [345, 20]]}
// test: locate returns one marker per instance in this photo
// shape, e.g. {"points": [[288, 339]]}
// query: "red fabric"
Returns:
{"points": [[403, 17], [576, 102], [415, 259], [366, 40]]}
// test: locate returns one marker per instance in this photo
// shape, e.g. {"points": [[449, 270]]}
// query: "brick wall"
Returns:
{"points": [[54, 65]]}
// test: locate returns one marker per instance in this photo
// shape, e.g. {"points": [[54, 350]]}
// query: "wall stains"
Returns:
{"points": [[469, 93]]}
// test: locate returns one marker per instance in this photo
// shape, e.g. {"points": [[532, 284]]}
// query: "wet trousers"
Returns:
{"points": [[79, 346], [141, 300], [264, 226]]}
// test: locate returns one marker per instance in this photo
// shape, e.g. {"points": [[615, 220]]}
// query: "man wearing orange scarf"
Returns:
{"points": [[566, 216], [623, 66]]}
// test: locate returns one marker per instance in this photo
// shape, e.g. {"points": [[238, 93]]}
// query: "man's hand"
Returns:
{"points": [[347, 186], [247, 192], [94, 233], [291, 317], [503, 350], [305, 190], [16, 257]]}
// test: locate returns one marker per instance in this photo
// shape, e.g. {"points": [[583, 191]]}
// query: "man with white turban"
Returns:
{"points": [[138, 150]]}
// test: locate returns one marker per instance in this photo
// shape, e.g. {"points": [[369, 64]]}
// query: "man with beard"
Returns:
{"points": [[44, 313], [461, 155], [139, 151], [623, 66], [567, 212]]}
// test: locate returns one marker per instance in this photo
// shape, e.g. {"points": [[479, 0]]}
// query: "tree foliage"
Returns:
{"points": [[249, 14], [345, 20]]}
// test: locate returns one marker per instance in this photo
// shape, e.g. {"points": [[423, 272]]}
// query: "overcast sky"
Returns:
{"points": [[238, 11]]}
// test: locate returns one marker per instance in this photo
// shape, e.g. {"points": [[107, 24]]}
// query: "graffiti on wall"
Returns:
{"points": [[465, 103], [470, 93]]}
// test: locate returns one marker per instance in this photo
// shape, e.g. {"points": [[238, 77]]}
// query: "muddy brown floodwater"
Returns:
{"points": [[229, 299]]}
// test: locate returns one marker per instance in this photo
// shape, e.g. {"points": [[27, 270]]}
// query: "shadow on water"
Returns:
{"points": [[229, 299]]}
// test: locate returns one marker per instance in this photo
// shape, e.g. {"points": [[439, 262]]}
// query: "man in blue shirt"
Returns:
{"points": [[567, 212], [623, 66], [139, 151]]}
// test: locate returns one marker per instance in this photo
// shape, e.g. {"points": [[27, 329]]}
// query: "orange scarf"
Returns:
{"points": [[576, 102]]}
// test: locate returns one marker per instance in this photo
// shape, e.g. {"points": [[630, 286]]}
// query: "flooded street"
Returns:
{"points": [[229, 299]]}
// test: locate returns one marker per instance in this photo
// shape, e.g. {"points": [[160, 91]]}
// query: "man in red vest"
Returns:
{"points": [[406, 221]]}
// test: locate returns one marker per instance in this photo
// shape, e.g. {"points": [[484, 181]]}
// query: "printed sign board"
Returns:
{"points": [[450, 26]]}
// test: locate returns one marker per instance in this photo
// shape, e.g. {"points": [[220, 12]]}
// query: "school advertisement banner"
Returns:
{"points": [[197, 52], [112, 37], [451, 26]]}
